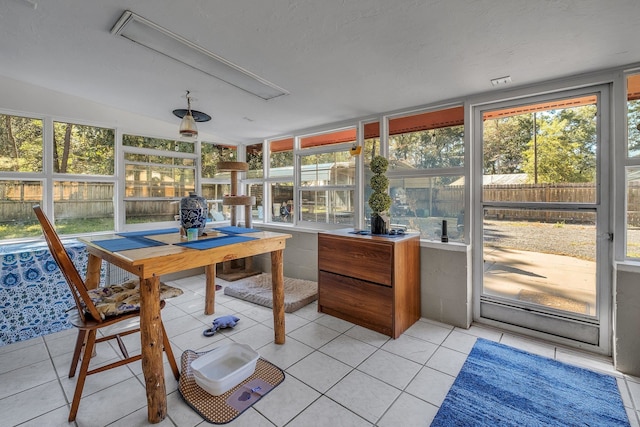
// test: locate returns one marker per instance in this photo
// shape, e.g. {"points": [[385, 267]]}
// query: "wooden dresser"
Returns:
{"points": [[372, 281]]}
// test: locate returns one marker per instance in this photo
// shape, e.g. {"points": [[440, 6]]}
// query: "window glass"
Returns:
{"points": [[632, 249], [254, 159], [158, 144], [541, 152], [147, 211], [83, 207], [17, 199], [633, 212], [281, 172], [338, 168], [371, 142], [213, 193], [428, 140], [80, 149], [327, 206], [281, 156], [159, 159], [421, 203], [371, 149], [212, 154], [633, 115], [156, 180], [426, 169], [282, 202], [257, 191], [327, 187], [21, 144]]}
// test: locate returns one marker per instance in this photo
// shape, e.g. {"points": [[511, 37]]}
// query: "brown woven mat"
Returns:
{"points": [[226, 407]]}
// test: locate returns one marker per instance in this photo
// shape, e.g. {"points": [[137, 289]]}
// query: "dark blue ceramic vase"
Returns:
{"points": [[193, 212]]}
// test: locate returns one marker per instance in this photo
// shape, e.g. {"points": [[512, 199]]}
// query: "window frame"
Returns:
{"points": [[328, 148], [628, 163], [436, 172], [48, 178], [127, 149], [269, 180], [218, 179]]}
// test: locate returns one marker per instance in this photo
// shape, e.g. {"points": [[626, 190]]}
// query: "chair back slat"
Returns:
{"points": [[68, 269]]}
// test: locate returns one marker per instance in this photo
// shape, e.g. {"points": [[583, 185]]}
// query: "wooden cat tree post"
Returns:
{"points": [[229, 272]]}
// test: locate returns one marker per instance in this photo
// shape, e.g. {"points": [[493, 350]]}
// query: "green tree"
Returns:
{"points": [[433, 148], [402, 149], [212, 154], [21, 144], [504, 140], [441, 148], [564, 149], [80, 149], [633, 131], [282, 159], [254, 157]]}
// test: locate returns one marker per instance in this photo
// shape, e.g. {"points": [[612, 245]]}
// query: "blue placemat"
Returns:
{"points": [[215, 242], [149, 232], [127, 243], [236, 230]]}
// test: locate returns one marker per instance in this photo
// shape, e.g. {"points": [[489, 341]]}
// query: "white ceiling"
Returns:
{"points": [[338, 59]]}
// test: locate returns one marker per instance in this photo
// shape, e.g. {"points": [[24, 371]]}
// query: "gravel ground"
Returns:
{"points": [[574, 240]]}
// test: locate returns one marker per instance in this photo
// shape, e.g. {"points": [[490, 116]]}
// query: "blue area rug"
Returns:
{"points": [[503, 386]]}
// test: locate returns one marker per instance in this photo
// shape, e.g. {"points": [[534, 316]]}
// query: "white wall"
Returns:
{"points": [[445, 275], [626, 340], [300, 254]]}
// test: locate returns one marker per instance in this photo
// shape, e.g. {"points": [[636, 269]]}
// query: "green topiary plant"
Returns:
{"points": [[379, 201]]}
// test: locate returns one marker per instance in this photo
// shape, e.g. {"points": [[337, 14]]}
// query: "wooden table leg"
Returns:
{"points": [[210, 289], [277, 285], [92, 277], [151, 340]]}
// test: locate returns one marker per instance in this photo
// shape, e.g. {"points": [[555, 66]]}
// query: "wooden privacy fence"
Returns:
{"points": [[541, 193], [448, 201], [76, 200], [95, 200], [548, 193]]}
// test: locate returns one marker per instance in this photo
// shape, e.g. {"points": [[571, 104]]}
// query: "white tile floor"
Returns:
{"points": [[337, 374]]}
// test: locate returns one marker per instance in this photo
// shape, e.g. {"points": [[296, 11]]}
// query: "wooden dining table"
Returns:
{"points": [[173, 254]]}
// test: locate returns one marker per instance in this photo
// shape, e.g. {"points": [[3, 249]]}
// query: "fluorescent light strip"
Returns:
{"points": [[144, 32]]}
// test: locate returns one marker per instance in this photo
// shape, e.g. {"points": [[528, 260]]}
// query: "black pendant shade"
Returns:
{"points": [[198, 116]]}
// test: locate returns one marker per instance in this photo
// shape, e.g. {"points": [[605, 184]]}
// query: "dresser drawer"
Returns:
{"points": [[365, 259], [363, 303]]}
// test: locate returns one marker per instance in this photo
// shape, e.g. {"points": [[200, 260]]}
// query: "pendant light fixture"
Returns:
{"points": [[189, 118], [188, 125]]}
